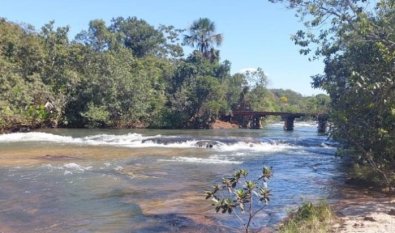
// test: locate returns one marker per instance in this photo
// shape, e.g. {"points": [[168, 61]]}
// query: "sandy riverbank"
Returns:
{"points": [[224, 125], [364, 213]]}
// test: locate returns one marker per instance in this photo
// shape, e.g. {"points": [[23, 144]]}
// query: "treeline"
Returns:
{"points": [[356, 39], [127, 74]]}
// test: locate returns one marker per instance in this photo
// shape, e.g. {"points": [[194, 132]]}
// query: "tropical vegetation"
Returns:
{"points": [[310, 218], [356, 40], [127, 73]]}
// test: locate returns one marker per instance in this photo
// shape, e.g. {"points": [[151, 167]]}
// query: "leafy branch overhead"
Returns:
{"points": [[356, 40]]}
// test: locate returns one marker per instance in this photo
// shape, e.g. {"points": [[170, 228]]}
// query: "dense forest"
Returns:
{"points": [[127, 74]]}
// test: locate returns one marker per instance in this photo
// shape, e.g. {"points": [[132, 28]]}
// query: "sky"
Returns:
{"points": [[256, 32]]}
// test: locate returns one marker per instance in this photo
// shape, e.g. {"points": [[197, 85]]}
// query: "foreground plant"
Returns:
{"points": [[310, 218], [239, 195]]}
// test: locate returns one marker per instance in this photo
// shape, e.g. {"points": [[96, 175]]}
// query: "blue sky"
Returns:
{"points": [[256, 32]]}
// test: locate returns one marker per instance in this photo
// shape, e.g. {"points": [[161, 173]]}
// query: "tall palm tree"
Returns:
{"points": [[202, 35]]}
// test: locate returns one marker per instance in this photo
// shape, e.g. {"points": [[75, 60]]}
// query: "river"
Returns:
{"points": [[80, 180]]}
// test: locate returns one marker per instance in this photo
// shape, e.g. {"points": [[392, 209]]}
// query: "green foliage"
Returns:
{"points": [[197, 92], [137, 35], [358, 47], [310, 218], [291, 101], [239, 195], [366, 176], [125, 74], [202, 36], [97, 116]]}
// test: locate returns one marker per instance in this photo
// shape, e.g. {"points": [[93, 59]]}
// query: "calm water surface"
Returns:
{"points": [[153, 180]]}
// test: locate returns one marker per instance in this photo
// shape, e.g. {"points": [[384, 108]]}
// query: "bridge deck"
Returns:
{"points": [[262, 114]]}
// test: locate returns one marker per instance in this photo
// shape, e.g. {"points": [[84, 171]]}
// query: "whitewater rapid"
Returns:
{"points": [[135, 140]]}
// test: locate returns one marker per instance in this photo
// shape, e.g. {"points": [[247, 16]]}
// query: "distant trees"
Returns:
{"points": [[291, 101], [125, 74]]}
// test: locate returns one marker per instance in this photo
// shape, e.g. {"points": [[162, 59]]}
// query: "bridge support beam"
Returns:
{"points": [[245, 122], [256, 122], [288, 123], [252, 120], [322, 123]]}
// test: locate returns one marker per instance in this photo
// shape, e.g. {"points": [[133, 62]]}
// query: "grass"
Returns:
{"points": [[310, 218]]}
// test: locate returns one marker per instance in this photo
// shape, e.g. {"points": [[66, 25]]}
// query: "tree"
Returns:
{"points": [[195, 94], [98, 37], [137, 35], [22, 91], [202, 35], [172, 47]]}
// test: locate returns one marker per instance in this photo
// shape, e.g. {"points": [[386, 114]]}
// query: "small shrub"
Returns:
{"points": [[366, 176], [309, 218], [238, 195], [96, 116]]}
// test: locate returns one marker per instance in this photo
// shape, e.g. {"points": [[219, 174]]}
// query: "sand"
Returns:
{"points": [[224, 125], [367, 215]]}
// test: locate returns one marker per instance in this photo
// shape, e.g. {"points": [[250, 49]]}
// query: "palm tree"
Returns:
{"points": [[202, 36]]}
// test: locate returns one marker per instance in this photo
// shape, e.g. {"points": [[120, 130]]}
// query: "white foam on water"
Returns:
{"points": [[35, 137], [76, 167], [276, 124], [325, 145], [118, 168], [240, 154], [128, 139], [51, 167], [210, 160], [305, 124], [66, 172], [68, 168], [254, 147], [134, 140], [148, 143], [296, 124]]}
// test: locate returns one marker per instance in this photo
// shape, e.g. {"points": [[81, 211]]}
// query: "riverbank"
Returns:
{"points": [[362, 212], [218, 124], [357, 212]]}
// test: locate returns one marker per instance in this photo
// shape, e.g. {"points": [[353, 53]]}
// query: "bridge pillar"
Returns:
{"points": [[288, 123], [322, 123], [256, 122], [245, 122]]}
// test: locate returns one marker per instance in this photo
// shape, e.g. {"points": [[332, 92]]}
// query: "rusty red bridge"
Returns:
{"points": [[252, 119]]}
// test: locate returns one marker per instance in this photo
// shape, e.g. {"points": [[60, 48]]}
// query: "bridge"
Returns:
{"points": [[253, 119]]}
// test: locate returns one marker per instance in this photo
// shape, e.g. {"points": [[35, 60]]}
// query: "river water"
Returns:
{"points": [[79, 180]]}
